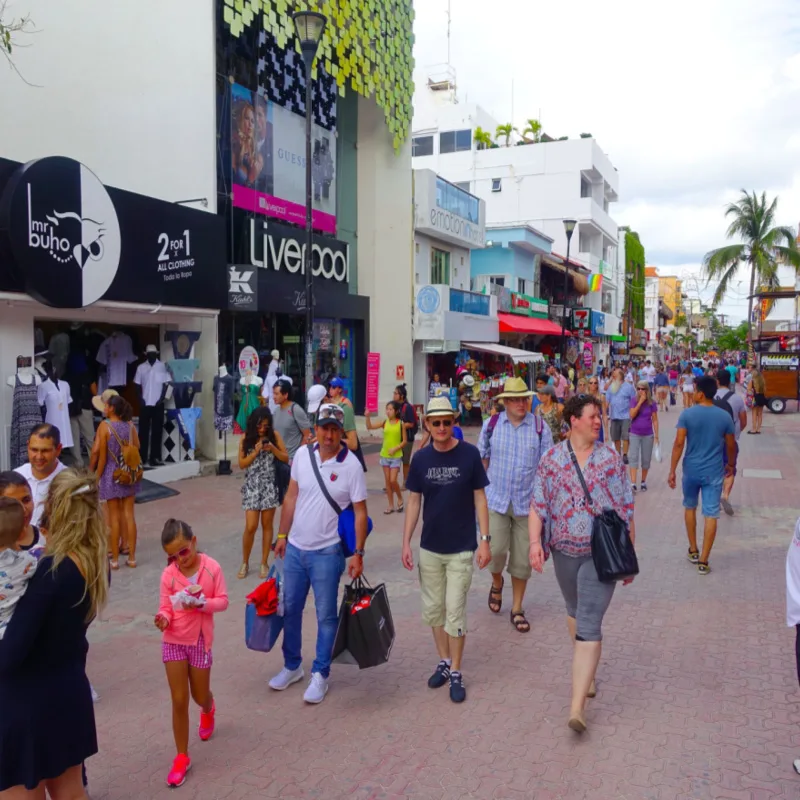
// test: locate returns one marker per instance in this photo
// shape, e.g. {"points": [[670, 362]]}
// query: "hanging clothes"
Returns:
{"points": [[26, 414], [183, 393], [189, 417], [249, 403], [115, 353], [182, 342], [183, 369], [224, 388], [56, 399]]}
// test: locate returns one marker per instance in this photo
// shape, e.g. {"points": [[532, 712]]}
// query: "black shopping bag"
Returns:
{"points": [[341, 655], [365, 635]]}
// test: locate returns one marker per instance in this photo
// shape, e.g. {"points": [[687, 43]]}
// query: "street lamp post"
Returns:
{"points": [[309, 26], [569, 227]]}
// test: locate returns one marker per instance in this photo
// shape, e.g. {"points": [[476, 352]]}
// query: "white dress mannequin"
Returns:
{"points": [[26, 375]]}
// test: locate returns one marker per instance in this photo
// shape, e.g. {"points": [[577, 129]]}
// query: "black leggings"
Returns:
{"points": [[797, 651]]}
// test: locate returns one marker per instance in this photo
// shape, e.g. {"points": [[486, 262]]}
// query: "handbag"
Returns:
{"points": [[612, 549], [261, 633], [347, 516], [365, 632]]}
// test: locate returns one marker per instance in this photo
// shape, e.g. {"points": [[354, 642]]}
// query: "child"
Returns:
{"points": [[394, 440], [192, 590], [16, 566]]}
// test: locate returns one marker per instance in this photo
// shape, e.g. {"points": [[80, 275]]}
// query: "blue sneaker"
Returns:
{"points": [[440, 677], [458, 694]]}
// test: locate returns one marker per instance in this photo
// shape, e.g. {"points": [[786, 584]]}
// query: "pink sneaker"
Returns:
{"points": [[207, 723], [180, 766]]}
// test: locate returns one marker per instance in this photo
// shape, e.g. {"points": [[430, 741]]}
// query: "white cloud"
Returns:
{"points": [[692, 100]]}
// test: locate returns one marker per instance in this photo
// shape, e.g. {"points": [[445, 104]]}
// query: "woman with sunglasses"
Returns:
{"points": [[593, 389], [192, 591], [643, 433]]}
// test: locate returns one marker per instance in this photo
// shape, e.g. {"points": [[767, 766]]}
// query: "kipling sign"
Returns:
{"points": [[279, 247]]}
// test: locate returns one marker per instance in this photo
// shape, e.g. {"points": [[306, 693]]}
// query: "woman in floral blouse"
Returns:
{"points": [[559, 507]]}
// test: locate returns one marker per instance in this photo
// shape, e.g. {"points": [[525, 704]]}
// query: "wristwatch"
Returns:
{"points": [[487, 538], [358, 553]]}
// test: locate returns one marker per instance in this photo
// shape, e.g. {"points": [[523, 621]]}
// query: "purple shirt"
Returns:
{"points": [[642, 423]]}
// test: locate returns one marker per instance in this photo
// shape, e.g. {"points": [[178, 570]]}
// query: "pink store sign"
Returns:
{"points": [[373, 381], [271, 206]]}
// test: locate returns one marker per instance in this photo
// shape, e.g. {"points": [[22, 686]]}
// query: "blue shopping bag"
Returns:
{"points": [[262, 632]]}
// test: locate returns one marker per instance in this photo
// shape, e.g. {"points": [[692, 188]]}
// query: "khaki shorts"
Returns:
{"points": [[408, 449], [511, 543], [444, 582]]}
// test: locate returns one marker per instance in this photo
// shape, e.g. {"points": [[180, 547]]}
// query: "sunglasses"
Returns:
{"points": [[439, 423], [331, 412], [182, 553]]}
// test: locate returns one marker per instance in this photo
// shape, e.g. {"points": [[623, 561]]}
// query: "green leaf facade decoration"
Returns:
{"points": [[634, 278], [367, 44]]}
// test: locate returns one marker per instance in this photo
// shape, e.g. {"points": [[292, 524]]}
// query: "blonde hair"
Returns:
{"points": [[759, 384], [646, 386], [77, 530]]}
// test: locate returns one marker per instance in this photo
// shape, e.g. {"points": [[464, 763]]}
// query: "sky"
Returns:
{"points": [[691, 100]]}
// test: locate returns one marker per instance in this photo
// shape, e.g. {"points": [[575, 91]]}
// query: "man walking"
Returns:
{"points": [[704, 429], [618, 397], [511, 445], [308, 540], [726, 396], [44, 448], [289, 419], [450, 477]]}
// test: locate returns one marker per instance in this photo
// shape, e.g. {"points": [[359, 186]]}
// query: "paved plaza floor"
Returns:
{"points": [[697, 692]]}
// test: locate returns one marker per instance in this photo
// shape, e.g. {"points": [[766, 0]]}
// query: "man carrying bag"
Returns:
{"points": [[366, 629]]}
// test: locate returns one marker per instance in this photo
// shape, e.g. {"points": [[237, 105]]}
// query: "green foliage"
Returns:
{"points": [[532, 132], [482, 138], [733, 338], [680, 320], [634, 278], [587, 136], [505, 131]]}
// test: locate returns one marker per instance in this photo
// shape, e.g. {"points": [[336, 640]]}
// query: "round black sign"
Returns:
{"points": [[63, 231]]}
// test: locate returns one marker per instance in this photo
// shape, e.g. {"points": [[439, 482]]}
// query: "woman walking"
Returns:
{"points": [[114, 433], [47, 726], [559, 506], [661, 384], [757, 390], [687, 386], [258, 449], [643, 433], [394, 440], [549, 410], [595, 391], [673, 375]]}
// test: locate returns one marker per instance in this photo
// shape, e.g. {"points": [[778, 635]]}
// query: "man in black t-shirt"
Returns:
{"points": [[449, 475]]}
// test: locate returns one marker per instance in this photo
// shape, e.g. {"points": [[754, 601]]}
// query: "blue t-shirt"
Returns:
{"points": [[661, 379], [446, 482], [619, 404], [698, 372], [706, 428], [458, 433]]}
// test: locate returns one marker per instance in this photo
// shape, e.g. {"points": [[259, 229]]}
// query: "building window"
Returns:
{"points": [[455, 141], [422, 146], [605, 205], [452, 198], [463, 185], [497, 280], [586, 187], [584, 243], [440, 267], [521, 286], [497, 185]]}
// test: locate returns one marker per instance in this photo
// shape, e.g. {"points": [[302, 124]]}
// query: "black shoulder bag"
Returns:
{"points": [[612, 549]]}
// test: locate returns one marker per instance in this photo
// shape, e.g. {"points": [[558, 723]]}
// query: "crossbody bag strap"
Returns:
{"points": [[318, 475], [119, 441], [578, 470]]}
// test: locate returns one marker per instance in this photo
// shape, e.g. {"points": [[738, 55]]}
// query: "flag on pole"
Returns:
{"points": [[595, 283]]}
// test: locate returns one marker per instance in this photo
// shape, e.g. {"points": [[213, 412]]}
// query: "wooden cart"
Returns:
{"points": [[781, 373]]}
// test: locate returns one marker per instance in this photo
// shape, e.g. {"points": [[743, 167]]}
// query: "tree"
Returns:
{"points": [[763, 249], [733, 338], [505, 130], [534, 128], [9, 28], [680, 320], [482, 138]]}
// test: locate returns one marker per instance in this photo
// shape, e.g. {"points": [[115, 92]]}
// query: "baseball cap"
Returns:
{"points": [[336, 383], [330, 414], [316, 394]]}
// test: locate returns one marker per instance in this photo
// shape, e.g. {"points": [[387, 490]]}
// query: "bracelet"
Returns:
{"points": [[283, 535]]}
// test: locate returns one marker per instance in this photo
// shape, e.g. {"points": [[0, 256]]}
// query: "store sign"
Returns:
{"points": [[520, 303], [580, 318], [588, 356], [74, 241], [279, 247], [242, 289], [598, 323], [373, 381]]}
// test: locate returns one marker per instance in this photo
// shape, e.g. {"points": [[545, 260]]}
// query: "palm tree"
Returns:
{"points": [[504, 130], [534, 128], [763, 249], [482, 138]]}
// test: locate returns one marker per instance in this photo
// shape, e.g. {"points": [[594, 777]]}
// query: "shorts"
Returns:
{"points": [[759, 400], [640, 453], [510, 543], [711, 489], [619, 429], [673, 382], [392, 463], [408, 449], [444, 582], [725, 457], [196, 654]]}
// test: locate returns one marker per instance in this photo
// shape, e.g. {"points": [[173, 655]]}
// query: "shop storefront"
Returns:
{"points": [[89, 277], [524, 322], [266, 305]]}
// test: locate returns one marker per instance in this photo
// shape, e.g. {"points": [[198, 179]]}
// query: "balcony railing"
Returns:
{"points": [[470, 302]]}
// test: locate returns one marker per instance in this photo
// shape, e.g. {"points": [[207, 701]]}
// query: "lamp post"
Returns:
{"points": [[569, 227], [309, 26]]}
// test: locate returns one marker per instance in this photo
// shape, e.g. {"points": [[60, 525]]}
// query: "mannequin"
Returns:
{"points": [[152, 381], [273, 373], [224, 386], [55, 396], [250, 386], [26, 412]]}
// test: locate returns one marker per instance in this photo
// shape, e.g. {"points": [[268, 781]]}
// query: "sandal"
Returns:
{"points": [[243, 570], [131, 562], [388, 511], [494, 604], [519, 621], [592, 690], [262, 573], [114, 565], [694, 556], [400, 508], [703, 568]]}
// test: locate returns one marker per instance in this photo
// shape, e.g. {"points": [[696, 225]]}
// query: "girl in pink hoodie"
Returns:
{"points": [[192, 590]]}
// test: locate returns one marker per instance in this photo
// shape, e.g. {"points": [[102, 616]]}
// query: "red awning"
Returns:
{"points": [[512, 323]]}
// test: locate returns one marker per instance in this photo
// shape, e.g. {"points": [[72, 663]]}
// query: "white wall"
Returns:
{"points": [[385, 244], [459, 261], [127, 88]]}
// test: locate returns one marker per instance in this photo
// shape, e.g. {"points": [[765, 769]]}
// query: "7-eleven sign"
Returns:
{"points": [[580, 318]]}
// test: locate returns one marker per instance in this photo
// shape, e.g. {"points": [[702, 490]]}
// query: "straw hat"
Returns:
{"points": [[101, 400], [440, 407], [515, 387]]}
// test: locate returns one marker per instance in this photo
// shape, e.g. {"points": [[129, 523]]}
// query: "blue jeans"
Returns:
{"points": [[321, 571], [711, 488]]}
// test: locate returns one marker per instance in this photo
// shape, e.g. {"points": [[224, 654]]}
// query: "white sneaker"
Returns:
{"points": [[285, 678], [317, 688], [95, 696]]}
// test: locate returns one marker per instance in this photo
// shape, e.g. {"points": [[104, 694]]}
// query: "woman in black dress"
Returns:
{"points": [[47, 726]]}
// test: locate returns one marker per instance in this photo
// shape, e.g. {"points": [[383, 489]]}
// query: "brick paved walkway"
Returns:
{"points": [[697, 688]]}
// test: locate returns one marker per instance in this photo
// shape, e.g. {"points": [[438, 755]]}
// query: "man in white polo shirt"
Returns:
{"points": [[309, 542], [44, 448]]}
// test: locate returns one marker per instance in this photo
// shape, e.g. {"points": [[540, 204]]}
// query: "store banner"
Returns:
{"points": [[598, 323], [242, 289], [268, 162], [580, 319], [373, 381], [588, 356], [72, 241]]}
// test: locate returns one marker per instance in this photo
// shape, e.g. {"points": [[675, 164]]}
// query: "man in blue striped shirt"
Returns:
{"points": [[510, 445]]}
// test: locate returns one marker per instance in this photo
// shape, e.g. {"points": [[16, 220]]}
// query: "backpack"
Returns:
{"points": [[538, 424], [413, 432], [722, 402], [129, 468]]}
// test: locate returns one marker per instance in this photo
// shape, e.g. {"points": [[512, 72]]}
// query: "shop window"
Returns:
{"points": [[497, 185], [440, 267], [521, 286], [422, 146], [455, 141]]}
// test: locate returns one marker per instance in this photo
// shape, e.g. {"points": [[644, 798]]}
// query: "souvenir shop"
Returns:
{"points": [[267, 306], [96, 284]]}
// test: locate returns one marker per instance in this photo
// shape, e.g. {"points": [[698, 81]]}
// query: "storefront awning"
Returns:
{"points": [[511, 323], [517, 356]]}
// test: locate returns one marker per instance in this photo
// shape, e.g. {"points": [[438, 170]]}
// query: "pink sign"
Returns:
{"points": [[373, 381], [251, 200], [588, 356]]}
